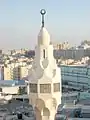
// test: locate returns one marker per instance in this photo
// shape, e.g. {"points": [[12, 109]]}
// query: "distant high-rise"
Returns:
{"points": [[62, 46]]}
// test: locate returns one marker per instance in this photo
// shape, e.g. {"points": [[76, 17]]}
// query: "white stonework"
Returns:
{"points": [[42, 78]]}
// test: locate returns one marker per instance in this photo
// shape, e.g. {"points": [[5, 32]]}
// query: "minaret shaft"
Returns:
{"points": [[44, 78]]}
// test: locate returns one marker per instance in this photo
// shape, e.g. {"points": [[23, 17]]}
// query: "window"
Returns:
{"points": [[44, 53], [54, 102], [0, 89], [33, 88], [56, 87], [45, 88]]}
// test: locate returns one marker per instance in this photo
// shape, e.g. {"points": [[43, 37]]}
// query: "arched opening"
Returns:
{"points": [[46, 113], [40, 104], [38, 114]]}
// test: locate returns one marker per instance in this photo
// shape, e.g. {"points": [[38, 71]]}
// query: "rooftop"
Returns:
{"points": [[12, 82]]}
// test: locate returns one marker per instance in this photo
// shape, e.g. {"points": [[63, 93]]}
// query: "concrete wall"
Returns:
{"points": [[10, 90]]}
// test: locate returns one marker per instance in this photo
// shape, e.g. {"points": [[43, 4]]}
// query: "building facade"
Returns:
{"points": [[76, 76], [15, 71]]}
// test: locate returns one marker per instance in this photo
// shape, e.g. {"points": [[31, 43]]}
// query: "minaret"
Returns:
{"points": [[44, 78]]}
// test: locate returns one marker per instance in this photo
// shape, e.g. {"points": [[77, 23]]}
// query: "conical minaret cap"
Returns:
{"points": [[43, 37]]}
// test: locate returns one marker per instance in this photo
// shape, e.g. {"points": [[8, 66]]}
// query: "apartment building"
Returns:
{"points": [[15, 71]]}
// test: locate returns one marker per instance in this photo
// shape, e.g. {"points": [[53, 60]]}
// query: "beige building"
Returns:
{"points": [[15, 71], [44, 79]]}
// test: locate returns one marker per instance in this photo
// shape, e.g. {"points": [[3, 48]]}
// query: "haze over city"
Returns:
{"points": [[45, 60], [20, 22]]}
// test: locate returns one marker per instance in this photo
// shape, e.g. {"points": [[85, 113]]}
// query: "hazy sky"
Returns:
{"points": [[20, 21]]}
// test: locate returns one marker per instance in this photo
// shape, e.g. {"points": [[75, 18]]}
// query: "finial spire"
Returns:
{"points": [[42, 13]]}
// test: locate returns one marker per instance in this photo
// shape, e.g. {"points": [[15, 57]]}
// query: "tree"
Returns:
{"points": [[21, 90]]}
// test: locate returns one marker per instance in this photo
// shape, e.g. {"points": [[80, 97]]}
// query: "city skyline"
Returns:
{"points": [[20, 22]]}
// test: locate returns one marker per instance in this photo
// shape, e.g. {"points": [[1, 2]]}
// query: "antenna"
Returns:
{"points": [[43, 12]]}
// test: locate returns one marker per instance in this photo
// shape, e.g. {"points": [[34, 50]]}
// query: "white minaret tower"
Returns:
{"points": [[44, 78]]}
